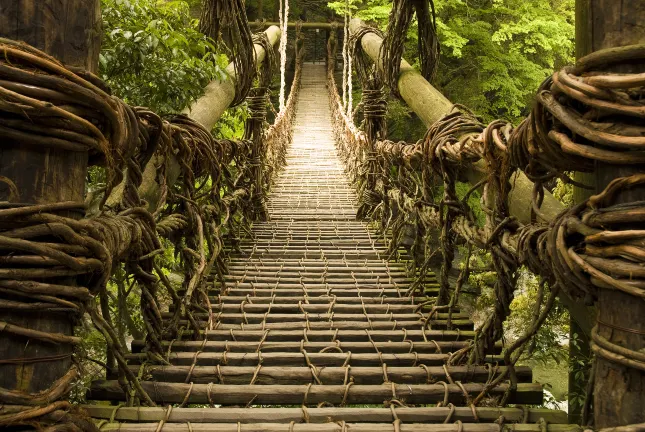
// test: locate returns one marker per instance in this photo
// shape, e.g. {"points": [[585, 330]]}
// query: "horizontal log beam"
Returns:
{"points": [[338, 286], [328, 299], [283, 375], [292, 25], [260, 291], [344, 335], [335, 427], [325, 415], [224, 394], [330, 359], [318, 325], [433, 347], [336, 308]]}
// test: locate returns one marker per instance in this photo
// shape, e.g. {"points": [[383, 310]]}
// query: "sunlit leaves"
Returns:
{"points": [[153, 54], [495, 53]]}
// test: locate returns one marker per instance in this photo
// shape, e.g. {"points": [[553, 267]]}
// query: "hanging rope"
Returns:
{"points": [[225, 20], [284, 23], [350, 98], [394, 43], [345, 54]]}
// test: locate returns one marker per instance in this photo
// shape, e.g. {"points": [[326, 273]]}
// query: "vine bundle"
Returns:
{"points": [[203, 195], [401, 15], [585, 114], [225, 21]]}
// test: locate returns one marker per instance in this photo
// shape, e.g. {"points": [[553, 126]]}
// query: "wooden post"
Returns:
{"points": [[70, 31], [619, 392], [579, 349]]}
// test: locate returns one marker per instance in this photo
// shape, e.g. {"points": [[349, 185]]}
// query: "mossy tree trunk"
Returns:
{"points": [[70, 31]]}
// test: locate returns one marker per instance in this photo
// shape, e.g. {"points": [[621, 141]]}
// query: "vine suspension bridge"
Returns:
{"points": [[318, 289], [313, 314]]}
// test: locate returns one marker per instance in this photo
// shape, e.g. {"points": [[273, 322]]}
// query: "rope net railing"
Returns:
{"points": [[584, 114], [59, 257]]}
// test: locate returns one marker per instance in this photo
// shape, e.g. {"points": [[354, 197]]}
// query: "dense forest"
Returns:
{"points": [[494, 55]]}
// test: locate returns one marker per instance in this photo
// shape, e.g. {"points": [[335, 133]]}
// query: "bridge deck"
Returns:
{"points": [[313, 330]]}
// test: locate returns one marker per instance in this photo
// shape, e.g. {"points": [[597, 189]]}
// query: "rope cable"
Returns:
{"points": [[284, 24]]}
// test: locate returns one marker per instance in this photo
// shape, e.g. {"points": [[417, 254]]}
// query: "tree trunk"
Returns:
{"points": [[70, 31], [619, 391]]}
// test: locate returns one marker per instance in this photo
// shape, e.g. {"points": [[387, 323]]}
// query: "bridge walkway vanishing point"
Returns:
{"points": [[313, 330]]}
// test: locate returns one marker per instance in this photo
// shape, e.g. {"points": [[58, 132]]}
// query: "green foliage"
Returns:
{"points": [[339, 7], [92, 347], [495, 53], [474, 201], [231, 124], [549, 342], [564, 193], [154, 56], [498, 52]]}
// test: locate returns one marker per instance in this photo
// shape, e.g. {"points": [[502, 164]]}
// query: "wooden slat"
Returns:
{"points": [[167, 393], [297, 359], [324, 415], [313, 347], [282, 375], [334, 427]]}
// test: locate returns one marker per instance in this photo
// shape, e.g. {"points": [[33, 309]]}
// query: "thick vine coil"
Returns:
{"points": [[584, 115]]}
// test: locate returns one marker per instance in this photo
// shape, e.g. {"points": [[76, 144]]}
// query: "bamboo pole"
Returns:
{"points": [[297, 375], [224, 394], [324, 415], [330, 359], [434, 347]]}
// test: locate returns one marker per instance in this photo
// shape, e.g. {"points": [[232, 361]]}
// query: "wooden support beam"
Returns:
{"points": [[432, 347], [305, 25], [619, 391], [70, 31], [170, 393], [291, 375], [344, 335], [330, 359], [335, 427], [324, 415]]}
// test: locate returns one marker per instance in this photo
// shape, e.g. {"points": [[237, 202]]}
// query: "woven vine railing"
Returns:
{"points": [[209, 201], [584, 114]]}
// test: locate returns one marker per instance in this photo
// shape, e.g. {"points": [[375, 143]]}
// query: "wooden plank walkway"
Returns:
{"points": [[314, 331]]}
